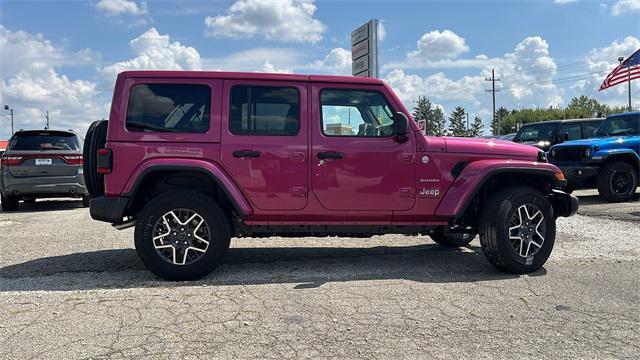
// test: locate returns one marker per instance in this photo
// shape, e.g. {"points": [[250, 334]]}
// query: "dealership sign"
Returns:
{"points": [[364, 50]]}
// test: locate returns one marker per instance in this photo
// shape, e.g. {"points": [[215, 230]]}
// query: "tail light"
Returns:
{"points": [[12, 160], [73, 159], [104, 160]]}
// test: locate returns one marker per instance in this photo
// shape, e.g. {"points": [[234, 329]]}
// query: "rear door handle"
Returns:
{"points": [[330, 155], [246, 154]]}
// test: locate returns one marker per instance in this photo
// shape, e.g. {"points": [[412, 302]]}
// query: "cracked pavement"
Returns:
{"points": [[74, 288]]}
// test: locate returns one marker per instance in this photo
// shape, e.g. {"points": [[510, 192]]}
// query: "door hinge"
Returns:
{"points": [[407, 193], [298, 191], [410, 157]]}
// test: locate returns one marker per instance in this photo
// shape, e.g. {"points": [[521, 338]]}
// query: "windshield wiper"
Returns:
{"points": [[147, 126]]}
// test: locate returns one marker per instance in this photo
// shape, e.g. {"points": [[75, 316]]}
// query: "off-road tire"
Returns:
{"points": [[494, 229], [605, 186], [9, 203], [200, 203], [96, 139], [451, 240]]}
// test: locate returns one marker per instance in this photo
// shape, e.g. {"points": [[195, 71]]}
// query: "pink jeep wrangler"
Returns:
{"points": [[195, 158]]}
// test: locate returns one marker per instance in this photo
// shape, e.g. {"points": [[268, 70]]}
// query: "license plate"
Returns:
{"points": [[43, 161]]}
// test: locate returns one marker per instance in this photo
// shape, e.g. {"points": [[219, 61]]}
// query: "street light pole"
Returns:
{"points": [[6, 107], [621, 59]]}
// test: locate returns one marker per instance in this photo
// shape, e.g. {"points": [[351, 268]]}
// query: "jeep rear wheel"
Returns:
{"points": [[451, 240], [182, 235], [617, 181], [517, 230]]}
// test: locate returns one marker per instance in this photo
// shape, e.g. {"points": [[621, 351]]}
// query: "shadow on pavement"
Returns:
{"points": [[47, 205], [308, 267]]}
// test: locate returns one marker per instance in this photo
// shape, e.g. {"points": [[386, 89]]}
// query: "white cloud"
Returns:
{"points": [[599, 63], [282, 20], [30, 84], [525, 74], [257, 59], [562, 2], [437, 45], [623, 7], [337, 62], [118, 7], [35, 53], [156, 52]]}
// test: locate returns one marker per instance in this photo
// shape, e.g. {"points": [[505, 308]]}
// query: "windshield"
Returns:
{"points": [[537, 132], [620, 125], [44, 141]]}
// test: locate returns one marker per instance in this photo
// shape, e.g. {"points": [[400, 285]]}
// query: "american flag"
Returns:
{"points": [[627, 71]]}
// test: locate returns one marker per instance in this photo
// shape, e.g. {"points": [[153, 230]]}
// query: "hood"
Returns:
{"points": [[490, 147], [543, 145], [603, 142]]}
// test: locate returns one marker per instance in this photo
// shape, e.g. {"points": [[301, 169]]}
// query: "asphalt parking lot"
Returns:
{"points": [[74, 288]]}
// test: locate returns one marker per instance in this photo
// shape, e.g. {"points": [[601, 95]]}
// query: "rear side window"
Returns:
{"points": [[258, 110], [169, 108], [44, 142], [572, 130]]}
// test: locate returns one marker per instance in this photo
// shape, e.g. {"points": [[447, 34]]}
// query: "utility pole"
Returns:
{"points": [[6, 107], [621, 59], [46, 123], [493, 94]]}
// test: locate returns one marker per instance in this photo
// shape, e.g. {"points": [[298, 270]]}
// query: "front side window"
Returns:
{"points": [[537, 132], [360, 113], [169, 108], [260, 110]]}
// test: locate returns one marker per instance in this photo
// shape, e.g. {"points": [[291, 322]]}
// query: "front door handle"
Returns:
{"points": [[246, 154], [330, 155]]}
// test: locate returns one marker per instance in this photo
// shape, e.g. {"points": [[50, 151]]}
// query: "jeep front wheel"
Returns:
{"points": [[617, 181], [518, 230], [182, 235]]}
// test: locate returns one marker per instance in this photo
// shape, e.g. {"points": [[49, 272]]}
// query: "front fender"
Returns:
{"points": [[213, 170], [476, 173], [606, 154]]}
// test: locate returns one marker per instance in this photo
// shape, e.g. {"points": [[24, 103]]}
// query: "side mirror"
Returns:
{"points": [[400, 125]]}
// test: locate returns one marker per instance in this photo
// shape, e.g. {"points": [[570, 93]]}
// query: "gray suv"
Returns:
{"points": [[41, 164]]}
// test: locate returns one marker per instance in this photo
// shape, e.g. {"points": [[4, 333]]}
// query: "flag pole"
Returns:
{"points": [[621, 59]]}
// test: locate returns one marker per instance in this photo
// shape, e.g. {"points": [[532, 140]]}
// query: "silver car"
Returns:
{"points": [[41, 164]]}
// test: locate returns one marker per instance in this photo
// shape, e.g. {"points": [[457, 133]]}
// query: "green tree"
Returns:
{"points": [[501, 115], [424, 110], [457, 125], [477, 128], [438, 122], [584, 107]]}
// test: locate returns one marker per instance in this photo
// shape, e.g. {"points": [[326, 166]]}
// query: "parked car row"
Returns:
{"points": [[593, 153], [609, 160], [41, 163]]}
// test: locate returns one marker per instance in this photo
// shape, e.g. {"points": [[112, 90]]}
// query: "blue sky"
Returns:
{"points": [[63, 55]]}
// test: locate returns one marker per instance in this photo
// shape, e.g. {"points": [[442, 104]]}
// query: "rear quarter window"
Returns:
{"points": [[44, 142], [169, 108]]}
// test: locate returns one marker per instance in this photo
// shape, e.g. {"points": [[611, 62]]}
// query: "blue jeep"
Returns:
{"points": [[609, 162]]}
